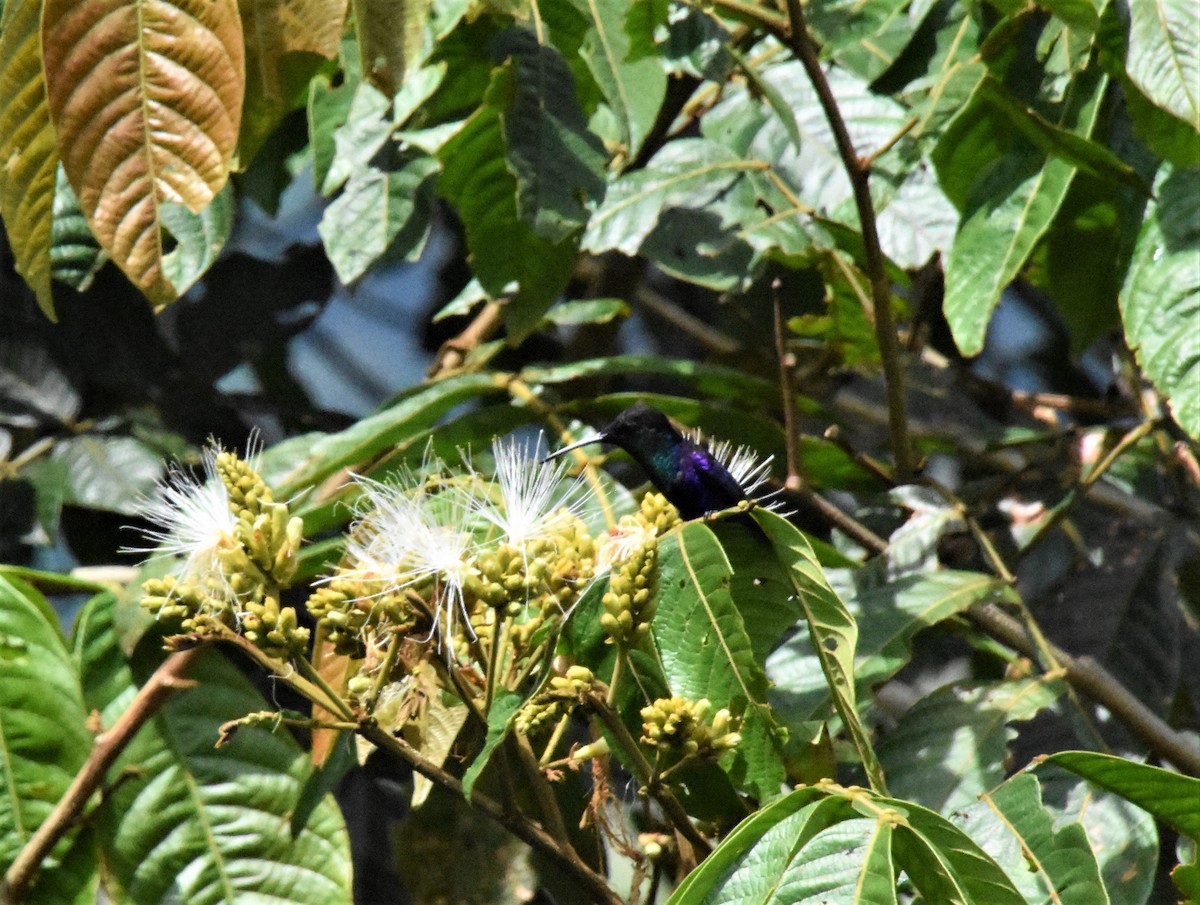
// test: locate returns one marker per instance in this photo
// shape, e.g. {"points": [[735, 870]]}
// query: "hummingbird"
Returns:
{"points": [[695, 477]]}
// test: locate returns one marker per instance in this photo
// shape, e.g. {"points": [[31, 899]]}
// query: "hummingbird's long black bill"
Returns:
{"points": [[586, 441]]}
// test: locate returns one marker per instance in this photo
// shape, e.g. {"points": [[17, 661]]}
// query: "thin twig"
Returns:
{"points": [[168, 678], [800, 42], [454, 352], [557, 850], [787, 368]]}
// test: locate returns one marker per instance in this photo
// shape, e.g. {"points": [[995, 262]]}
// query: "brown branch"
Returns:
{"points": [[858, 170], [1089, 677], [557, 850], [454, 352], [168, 678]]}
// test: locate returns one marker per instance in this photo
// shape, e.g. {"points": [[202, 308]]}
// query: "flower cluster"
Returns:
{"points": [[456, 554], [679, 726], [237, 548]]}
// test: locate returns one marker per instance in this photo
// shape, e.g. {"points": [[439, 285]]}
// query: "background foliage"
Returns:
{"points": [[620, 195]]}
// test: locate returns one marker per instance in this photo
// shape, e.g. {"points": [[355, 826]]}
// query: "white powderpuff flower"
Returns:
{"points": [[407, 536], [191, 520], [531, 496]]}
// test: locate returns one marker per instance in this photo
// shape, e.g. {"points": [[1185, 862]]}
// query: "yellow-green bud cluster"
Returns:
{"points": [[349, 610], [677, 725], [630, 602], [270, 538], [563, 693], [274, 629], [657, 512], [198, 609]]}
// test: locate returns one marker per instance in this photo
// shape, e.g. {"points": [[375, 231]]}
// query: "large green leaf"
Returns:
{"points": [[507, 255], [1168, 796], [378, 210], [193, 824], [558, 163], [43, 740], [619, 49], [832, 627], [1060, 861], [952, 745], [706, 652], [829, 844], [1009, 190], [690, 173], [1120, 837], [889, 615], [1160, 303], [395, 425], [1164, 55]]}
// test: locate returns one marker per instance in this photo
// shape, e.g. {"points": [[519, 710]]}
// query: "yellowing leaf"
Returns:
{"points": [[276, 27], [27, 155], [389, 38], [145, 97]]}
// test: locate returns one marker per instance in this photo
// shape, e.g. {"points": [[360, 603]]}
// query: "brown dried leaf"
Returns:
{"points": [[145, 96]]}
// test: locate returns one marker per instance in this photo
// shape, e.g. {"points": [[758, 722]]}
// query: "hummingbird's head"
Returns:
{"points": [[638, 429]]}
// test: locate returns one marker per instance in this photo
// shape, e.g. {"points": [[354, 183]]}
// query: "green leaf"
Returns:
{"points": [[107, 472], [889, 616], [1061, 861], [619, 50], [1009, 190], [75, 255], [832, 627], [1121, 837], [827, 843], [587, 311], [690, 173], [706, 652], [1168, 796], [1160, 303], [558, 163], [43, 741], [506, 254], [395, 425], [198, 238], [952, 745], [1164, 56], [376, 211], [867, 37], [1085, 155], [945, 864], [192, 824], [500, 716]]}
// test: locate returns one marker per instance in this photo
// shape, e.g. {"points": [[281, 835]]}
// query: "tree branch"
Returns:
{"points": [[108, 746], [801, 44]]}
